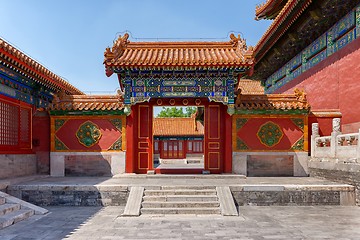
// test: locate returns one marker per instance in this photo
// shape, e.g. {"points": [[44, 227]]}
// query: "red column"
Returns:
{"points": [[228, 143], [41, 141], [130, 133]]}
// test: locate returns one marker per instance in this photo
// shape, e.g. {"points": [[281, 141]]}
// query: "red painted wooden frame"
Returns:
{"points": [[217, 141], [24, 127]]}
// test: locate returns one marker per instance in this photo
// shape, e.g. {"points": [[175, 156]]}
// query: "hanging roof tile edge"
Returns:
{"points": [[15, 56]]}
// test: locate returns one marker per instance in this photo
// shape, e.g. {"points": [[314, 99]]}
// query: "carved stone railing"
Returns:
{"points": [[343, 147]]}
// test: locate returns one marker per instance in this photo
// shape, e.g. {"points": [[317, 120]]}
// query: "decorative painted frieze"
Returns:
{"points": [[338, 36], [217, 86]]}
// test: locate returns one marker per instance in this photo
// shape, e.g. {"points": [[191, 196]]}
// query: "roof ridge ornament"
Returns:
{"points": [[235, 40], [117, 48], [241, 47], [300, 95], [59, 96], [120, 44]]}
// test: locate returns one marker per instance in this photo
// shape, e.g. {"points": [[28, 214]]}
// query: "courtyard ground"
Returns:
{"points": [[315, 222]]}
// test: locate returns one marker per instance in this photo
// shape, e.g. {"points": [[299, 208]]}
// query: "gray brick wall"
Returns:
{"points": [[348, 177], [88, 165], [16, 165]]}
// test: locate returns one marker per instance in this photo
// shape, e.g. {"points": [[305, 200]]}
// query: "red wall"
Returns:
{"points": [[248, 133], [67, 134], [334, 84], [41, 141]]}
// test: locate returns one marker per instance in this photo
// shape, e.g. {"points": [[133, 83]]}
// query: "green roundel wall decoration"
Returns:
{"points": [[270, 134], [88, 134]]}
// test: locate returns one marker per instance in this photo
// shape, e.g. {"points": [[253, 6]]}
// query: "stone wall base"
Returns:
{"points": [[16, 165], [72, 195], [86, 163], [270, 164], [348, 173]]}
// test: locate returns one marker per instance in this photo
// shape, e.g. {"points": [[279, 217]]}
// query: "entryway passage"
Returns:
{"points": [[214, 149]]}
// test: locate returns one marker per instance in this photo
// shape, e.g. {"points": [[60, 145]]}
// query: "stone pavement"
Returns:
{"points": [[319, 222], [169, 180]]}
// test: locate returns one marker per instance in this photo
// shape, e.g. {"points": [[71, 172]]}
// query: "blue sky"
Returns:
{"points": [[69, 36]]}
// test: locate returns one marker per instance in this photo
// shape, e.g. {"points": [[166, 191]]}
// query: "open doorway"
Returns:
{"points": [[178, 137]]}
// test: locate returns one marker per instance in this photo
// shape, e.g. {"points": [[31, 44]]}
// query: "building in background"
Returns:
{"points": [[26, 89], [178, 138], [314, 46]]}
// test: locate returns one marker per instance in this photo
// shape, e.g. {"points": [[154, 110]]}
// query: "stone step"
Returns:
{"points": [[179, 205], [8, 208], [179, 192], [172, 161], [181, 198], [194, 161], [156, 211], [184, 187], [14, 217], [2, 201]]}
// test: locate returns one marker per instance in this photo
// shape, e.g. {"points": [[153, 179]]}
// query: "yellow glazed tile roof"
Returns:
{"points": [[124, 53], [177, 127]]}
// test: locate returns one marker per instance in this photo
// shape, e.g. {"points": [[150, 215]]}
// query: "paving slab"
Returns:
{"points": [[126, 180], [318, 222]]}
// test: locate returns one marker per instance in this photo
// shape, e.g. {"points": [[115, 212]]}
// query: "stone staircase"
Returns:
{"points": [[11, 213], [13, 210], [180, 200]]}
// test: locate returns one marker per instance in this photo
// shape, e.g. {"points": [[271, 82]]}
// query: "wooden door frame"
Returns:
{"points": [[132, 124]]}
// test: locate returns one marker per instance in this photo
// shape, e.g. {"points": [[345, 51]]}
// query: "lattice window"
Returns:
{"points": [[156, 147], [15, 126], [195, 146], [9, 131]]}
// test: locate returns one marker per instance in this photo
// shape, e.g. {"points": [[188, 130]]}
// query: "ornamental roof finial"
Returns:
{"points": [[121, 42], [300, 95], [241, 47], [235, 40], [118, 47]]}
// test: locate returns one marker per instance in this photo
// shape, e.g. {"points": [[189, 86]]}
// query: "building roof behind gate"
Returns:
{"points": [[177, 127]]}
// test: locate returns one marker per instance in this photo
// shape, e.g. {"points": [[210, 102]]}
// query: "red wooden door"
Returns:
{"points": [[143, 154], [214, 137], [172, 149]]}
